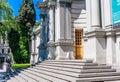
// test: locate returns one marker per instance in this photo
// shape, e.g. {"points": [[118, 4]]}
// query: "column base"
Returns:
{"points": [[51, 49], [95, 45], [33, 58], [64, 51]]}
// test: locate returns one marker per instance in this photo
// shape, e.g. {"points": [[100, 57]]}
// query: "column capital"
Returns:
{"points": [[63, 4]]}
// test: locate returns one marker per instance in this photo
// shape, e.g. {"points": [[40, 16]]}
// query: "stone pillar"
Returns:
{"points": [[51, 43], [63, 41], [111, 47], [96, 43], [33, 50], [51, 23], [111, 55], [107, 15], [60, 22], [43, 32], [68, 24], [95, 13], [88, 13]]}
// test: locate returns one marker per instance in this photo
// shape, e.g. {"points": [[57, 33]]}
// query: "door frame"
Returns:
{"points": [[79, 44]]}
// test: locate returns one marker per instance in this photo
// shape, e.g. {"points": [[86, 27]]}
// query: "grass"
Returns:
{"points": [[20, 65]]}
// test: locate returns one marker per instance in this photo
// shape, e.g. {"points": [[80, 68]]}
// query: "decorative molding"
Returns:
{"points": [[64, 44], [50, 44], [118, 33], [63, 4], [110, 33], [98, 33], [98, 26]]}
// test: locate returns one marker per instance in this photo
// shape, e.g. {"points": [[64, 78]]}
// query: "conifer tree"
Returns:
{"points": [[26, 20]]}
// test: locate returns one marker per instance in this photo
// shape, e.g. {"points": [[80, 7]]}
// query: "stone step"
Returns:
{"points": [[74, 79], [99, 79], [39, 77], [78, 74], [78, 67], [66, 71], [77, 70], [113, 81], [73, 61], [72, 74], [55, 76], [12, 78], [29, 79], [19, 78]]}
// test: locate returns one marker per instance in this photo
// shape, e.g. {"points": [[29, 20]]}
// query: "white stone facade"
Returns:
{"points": [[4, 47], [34, 44], [101, 41]]}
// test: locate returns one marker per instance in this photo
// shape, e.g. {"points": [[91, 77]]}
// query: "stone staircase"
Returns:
{"points": [[65, 71]]}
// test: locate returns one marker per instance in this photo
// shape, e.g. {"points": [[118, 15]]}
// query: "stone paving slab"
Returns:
{"points": [[2, 75]]}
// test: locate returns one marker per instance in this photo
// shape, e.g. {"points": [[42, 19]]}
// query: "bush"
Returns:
{"points": [[20, 66]]}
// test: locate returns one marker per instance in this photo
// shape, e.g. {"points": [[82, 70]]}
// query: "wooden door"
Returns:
{"points": [[79, 43]]}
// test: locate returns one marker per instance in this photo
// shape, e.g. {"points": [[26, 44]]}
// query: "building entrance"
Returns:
{"points": [[79, 43]]}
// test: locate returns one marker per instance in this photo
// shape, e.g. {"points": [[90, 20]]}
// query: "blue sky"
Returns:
{"points": [[15, 5]]}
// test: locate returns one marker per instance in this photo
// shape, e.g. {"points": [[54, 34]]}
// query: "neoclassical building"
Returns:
{"points": [[80, 29], [4, 50]]}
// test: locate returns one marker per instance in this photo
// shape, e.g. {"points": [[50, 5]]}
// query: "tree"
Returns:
{"points": [[13, 40], [6, 18], [26, 20], [27, 15]]}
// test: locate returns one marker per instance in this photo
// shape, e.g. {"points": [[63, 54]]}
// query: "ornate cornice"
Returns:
{"points": [[100, 33]]}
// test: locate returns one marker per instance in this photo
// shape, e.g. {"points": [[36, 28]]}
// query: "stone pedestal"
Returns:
{"points": [[33, 58], [95, 45], [51, 49], [64, 50], [110, 47], [5, 66]]}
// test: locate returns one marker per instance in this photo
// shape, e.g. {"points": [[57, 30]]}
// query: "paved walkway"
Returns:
{"points": [[2, 73]]}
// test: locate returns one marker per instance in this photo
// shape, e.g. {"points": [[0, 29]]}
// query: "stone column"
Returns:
{"points": [[68, 23], [33, 53], [31, 50], [63, 41], [51, 24], [111, 38], [43, 32], [51, 43], [60, 22], [111, 47], [95, 13], [96, 43]]}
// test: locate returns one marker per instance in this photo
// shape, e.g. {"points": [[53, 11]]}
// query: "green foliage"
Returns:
{"points": [[5, 10], [6, 18], [26, 20], [20, 65], [27, 15], [13, 40], [18, 28], [24, 49]]}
